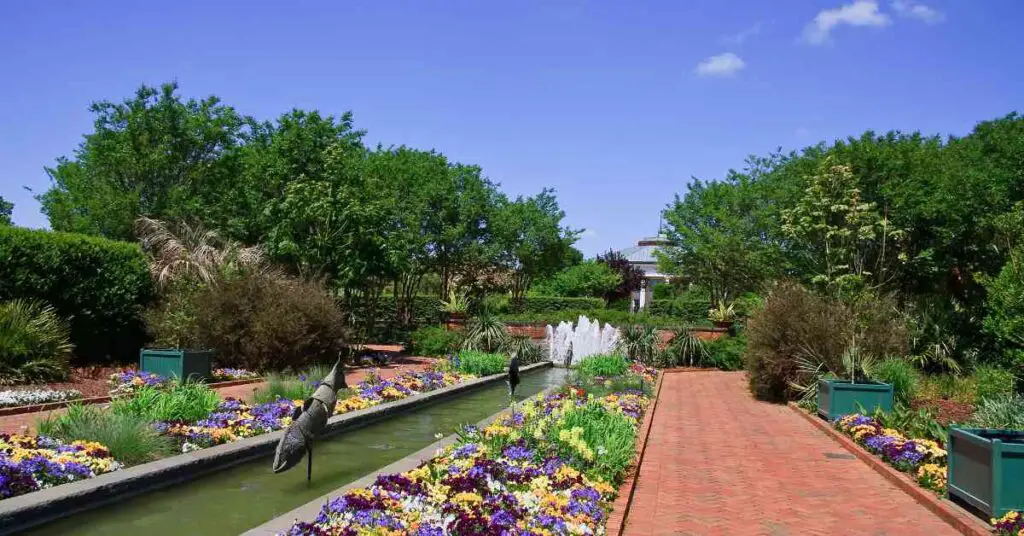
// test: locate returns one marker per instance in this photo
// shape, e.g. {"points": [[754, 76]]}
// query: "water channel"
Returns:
{"points": [[234, 500]]}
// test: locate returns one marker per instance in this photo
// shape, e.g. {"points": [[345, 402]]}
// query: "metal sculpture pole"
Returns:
{"points": [[308, 422], [513, 379]]}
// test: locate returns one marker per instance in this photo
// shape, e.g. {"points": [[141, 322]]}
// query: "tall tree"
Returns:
{"points": [[630, 276], [6, 207]]}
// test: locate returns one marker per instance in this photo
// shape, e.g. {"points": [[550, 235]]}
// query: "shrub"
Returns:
{"points": [[129, 438], [797, 326], [260, 322], [1005, 412], [685, 309], [34, 344], [992, 382], [589, 279], [523, 347], [726, 353], [603, 365], [480, 363], [960, 389], [619, 318], [186, 402], [685, 349], [901, 374], [485, 333], [101, 285], [435, 341], [640, 343], [546, 304]]}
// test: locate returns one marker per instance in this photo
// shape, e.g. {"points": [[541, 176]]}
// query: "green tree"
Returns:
{"points": [[529, 240], [6, 207], [589, 279], [152, 155], [630, 276]]}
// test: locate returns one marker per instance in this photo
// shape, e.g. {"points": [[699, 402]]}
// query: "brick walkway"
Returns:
{"points": [[26, 422], [719, 462]]}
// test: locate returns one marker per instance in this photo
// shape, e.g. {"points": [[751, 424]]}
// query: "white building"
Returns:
{"points": [[643, 256]]}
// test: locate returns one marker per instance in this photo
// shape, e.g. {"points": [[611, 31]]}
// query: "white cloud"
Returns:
{"points": [[739, 38], [588, 233], [909, 9], [725, 64], [859, 13]]}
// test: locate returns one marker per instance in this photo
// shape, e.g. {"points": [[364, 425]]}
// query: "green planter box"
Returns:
{"points": [[176, 363], [840, 397], [986, 469]]}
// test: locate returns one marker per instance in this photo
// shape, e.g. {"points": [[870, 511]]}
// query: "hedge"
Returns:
{"points": [[686, 310], [100, 285], [547, 304], [614, 317]]}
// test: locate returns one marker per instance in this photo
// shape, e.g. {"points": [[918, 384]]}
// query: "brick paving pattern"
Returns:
{"points": [[26, 422], [719, 462]]}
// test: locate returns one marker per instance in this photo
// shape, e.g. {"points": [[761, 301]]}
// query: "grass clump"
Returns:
{"points": [[479, 363], [603, 365], [604, 439], [901, 374], [130, 438], [1006, 412], [186, 402]]}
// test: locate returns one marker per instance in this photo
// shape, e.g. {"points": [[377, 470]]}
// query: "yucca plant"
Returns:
{"points": [[722, 313], [812, 367], [523, 347], [639, 343], [34, 343], [485, 333], [685, 349], [456, 304]]}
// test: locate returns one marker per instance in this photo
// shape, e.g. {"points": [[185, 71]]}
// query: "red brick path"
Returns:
{"points": [[719, 462]]}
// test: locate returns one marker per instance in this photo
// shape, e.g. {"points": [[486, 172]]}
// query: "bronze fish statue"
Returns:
{"points": [[308, 422]]}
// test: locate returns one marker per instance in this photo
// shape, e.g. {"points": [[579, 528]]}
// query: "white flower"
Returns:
{"points": [[36, 396]]}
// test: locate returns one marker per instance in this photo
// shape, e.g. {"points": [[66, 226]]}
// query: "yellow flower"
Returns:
{"points": [[468, 498]]}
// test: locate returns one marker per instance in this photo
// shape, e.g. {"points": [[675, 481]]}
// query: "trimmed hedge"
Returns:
{"points": [[686, 310], [548, 304], [615, 318], [101, 286]]}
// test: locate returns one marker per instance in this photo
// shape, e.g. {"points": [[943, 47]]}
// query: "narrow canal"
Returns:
{"points": [[234, 500]]}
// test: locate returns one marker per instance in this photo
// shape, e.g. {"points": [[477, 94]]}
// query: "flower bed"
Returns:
{"points": [[30, 463], [924, 459], [1011, 524], [233, 374], [10, 399], [550, 468], [128, 381], [234, 419]]}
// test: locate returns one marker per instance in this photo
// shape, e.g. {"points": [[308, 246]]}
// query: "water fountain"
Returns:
{"points": [[568, 344]]}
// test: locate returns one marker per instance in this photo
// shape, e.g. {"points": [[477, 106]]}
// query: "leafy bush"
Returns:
{"points": [[960, 389], [726, 353], [796, 327], [603, 365], [101, 285], [486, 333], [901, 374], [589, 279], [1005, 412], [685, 349], [640, 343], [992, 382], [618, 318], [480, 363], [181, 401], [433, 341], [34, 343], [130, 438], [523, 347], [546, 304], [684, 309], [920, 423], [260, 322], [610, 436]]}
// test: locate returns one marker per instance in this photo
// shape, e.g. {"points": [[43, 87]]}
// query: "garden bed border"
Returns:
{"points": [[311, 509], [47, 406], [620, 508], [39, 507], [958, 518]]}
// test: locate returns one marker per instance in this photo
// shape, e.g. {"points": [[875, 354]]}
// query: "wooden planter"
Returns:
{"points": [[986, 469], [177, 363], [840, 397]]}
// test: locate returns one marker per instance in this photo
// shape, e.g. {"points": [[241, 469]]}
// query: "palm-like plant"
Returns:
{"points": [[183, 251], [639, 343], [485, 333], [456, 304], [722, 312], [34, 343], [523, 347], [812, 367], [685, 349]]}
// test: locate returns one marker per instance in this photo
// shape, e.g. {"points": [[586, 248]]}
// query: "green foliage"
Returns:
{"points": [[610, 436], [685, 350], [286, 387], [913, 423], [722, 312], [6, 207], [182, 401], [130, 438], [547, 304], [686, 310], [588, 279], [486, 333], [630, 277], [603, 365], [34, 345], [480, 363], [901, 374], [101, 286], [614, 317], [726, 353], [1006, 412], [960, 389], [640, 343], [457, 303], [522, 346], [992, 382], [601, 386], [435, 341]]}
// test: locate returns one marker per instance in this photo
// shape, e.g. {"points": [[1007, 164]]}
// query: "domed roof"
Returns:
{"points": [[643, 252]]}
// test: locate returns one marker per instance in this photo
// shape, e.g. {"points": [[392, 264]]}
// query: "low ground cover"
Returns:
{"points": [[30, 397], [30, 463], [923, 459], [549, 467]]}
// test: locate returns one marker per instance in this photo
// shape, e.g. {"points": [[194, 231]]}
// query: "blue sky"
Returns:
{"points": [[614, 104]]}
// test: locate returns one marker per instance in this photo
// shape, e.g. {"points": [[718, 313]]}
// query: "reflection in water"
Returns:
{"points": [[232, 501]]}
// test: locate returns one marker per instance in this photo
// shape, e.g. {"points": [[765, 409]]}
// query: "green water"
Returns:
{"points": [[234, 500]]}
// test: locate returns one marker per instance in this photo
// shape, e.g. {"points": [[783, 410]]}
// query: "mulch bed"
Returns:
{"points": [[90, 381], [945, 411]]}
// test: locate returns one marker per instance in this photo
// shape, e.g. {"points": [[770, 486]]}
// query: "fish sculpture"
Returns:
{"points": [[308, 422], [513, 377]]}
